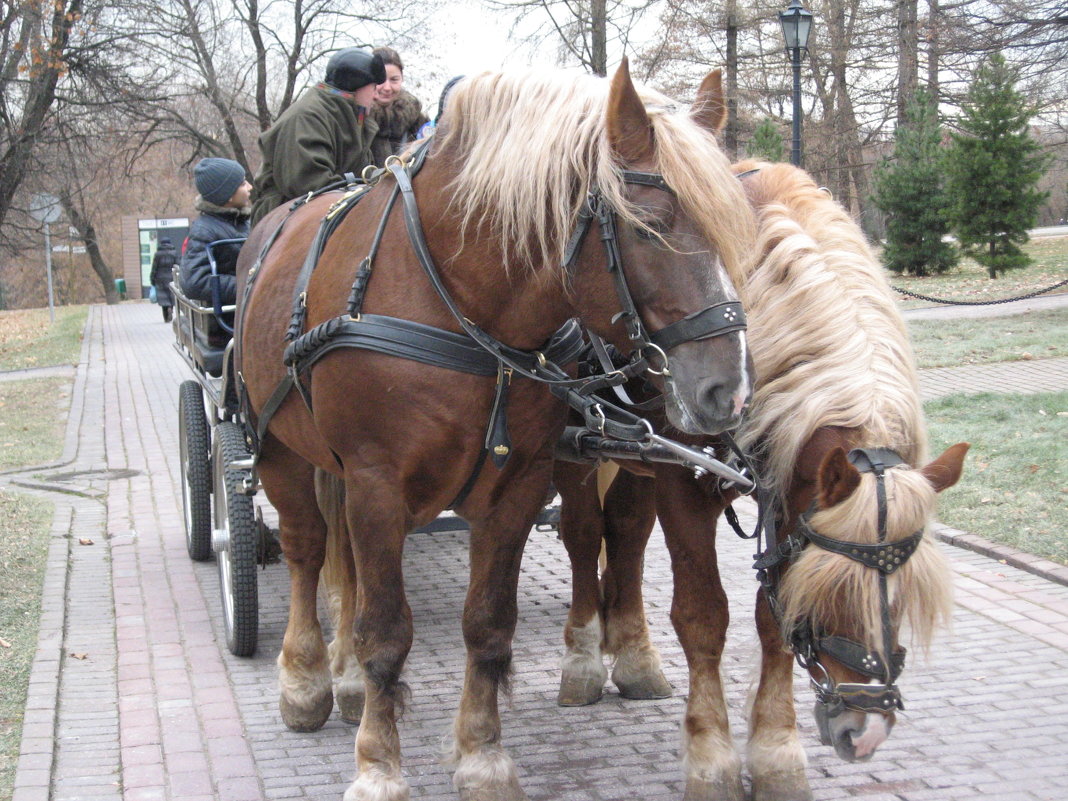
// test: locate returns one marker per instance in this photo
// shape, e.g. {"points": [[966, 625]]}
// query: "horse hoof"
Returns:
{"points": [[726, 789], [792, 786], [645, 688], [350, 706], [511, 791], [306, 718], [579, 691]]}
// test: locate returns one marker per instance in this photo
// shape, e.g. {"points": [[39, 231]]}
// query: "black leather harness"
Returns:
{"points": [[805, 641], [474, 350]]}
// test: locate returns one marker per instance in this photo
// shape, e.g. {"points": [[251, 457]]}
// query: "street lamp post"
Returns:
{"points": [[796, 25]]}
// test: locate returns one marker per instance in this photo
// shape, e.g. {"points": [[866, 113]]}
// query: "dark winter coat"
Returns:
{"points": [[315, 141], [398, 124], [214, 223], [163, 273]]}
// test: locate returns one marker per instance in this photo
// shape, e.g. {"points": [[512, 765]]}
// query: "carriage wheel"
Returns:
{"points": [[236, 541], [195, 446]]}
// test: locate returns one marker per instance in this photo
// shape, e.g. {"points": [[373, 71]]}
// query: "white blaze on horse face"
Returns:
{"points": [[744, 387], [874, 734]]}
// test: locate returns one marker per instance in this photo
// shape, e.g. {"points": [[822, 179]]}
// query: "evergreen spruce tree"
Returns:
{"points": [[767, 142], [993, 167], [909, 189]]}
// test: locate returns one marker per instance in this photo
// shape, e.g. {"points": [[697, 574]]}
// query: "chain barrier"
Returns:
{"points": [[1036, 293]]}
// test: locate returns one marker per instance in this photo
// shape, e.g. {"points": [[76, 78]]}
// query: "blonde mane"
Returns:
{"points": [[831, 349], [529, 147], [828, 343]]}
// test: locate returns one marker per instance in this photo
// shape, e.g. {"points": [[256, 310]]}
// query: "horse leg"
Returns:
{"points": [[306, 697], [484, 770], [629, 514], [582, 672], [382, 634], [775, 755], [699, 613], [339, 581]]}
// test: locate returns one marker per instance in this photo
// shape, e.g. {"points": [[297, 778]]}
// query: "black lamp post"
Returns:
{"points": [[796, 25]]}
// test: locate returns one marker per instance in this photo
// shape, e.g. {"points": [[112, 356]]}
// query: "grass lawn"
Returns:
{"points": [[1015, 484], [969, 281], [981, 340], [28, 339], [23, 549], [28, 434]]}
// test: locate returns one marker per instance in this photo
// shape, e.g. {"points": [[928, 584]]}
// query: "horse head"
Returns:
{"points": [[865, 565], [672, 212]]}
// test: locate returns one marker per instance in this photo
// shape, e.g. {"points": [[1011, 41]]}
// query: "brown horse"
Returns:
{"points": [[835, 372], [515, 165]]}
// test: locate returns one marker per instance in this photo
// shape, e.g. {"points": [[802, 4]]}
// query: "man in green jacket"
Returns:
{"points": [[326, 133]]}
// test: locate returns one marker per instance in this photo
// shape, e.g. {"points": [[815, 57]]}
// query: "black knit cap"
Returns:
{"points": [[352, 68]]}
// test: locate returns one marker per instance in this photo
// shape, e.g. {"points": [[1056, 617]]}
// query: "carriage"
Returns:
{"points": [[216, 463]]}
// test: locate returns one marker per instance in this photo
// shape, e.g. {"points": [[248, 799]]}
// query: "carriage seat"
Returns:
{"points": [[202, 332]]}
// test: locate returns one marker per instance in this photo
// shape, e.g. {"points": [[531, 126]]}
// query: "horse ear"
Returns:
{"points": [[709, 110], [945, 471], [836, 480], [630, 133]]}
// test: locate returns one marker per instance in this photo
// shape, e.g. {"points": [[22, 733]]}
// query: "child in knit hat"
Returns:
{"points": [[224, 209]]}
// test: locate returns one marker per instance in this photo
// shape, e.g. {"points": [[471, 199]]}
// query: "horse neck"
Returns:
{"points": [[518, 305]]}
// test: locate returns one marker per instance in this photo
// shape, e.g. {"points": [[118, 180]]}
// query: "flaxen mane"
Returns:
{"points": [[828, 343], [530, 146], [830, 349]]}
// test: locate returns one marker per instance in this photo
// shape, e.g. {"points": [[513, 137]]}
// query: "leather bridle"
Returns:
{"points": [[807, 643]]}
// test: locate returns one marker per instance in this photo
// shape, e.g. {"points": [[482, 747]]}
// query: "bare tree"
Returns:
{"points": [[586, 31], [34, 53]]}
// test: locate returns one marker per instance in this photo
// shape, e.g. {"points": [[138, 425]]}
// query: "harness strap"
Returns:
{"points": [[717, 319], [884, 557], [860, 659], [363, 274], [327, 226]]}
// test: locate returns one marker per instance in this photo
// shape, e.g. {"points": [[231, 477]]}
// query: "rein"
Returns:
{"points": [[882, 695]]}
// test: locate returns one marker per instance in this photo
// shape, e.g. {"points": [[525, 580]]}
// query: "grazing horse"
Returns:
{"points": [[836, 428], [484, 248]]}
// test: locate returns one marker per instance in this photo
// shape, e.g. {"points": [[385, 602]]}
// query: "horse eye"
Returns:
{"points": [[650, 230]]}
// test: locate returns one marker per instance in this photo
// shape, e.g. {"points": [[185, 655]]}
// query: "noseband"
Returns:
{"points": [[882, 695]]}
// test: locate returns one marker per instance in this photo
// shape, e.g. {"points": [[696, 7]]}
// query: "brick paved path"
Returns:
{"points": [[158, 710]]}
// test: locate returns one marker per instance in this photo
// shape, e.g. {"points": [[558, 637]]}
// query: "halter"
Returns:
{"points": [[715, 320], [883, 695]]}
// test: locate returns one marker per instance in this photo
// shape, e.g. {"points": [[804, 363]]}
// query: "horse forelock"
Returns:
{"points": [[838, 594], [528, 147], [829, 346]]}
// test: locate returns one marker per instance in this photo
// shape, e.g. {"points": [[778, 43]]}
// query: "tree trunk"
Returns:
{"points": [[934, 28], [599, 37], [730, 134], [87, 233], [40, 95], [907, 62]]}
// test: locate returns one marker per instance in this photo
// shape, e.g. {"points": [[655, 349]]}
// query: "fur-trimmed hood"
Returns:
{"points": [[207, 207], [404, 116]]}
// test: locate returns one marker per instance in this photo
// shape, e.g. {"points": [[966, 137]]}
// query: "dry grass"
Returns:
{"points": [[23, 550], [28, 339], [969, 281]]}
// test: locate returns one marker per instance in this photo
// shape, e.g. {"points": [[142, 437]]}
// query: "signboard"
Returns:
{"points": [[45, 208]]}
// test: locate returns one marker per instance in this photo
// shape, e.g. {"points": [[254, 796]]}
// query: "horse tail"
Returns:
{"points": [[338, 573]]}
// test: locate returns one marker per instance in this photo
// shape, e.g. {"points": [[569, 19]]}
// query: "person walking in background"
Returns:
{"points": [[162, 274], [322, 136], [398, 113], [224, 214]]}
